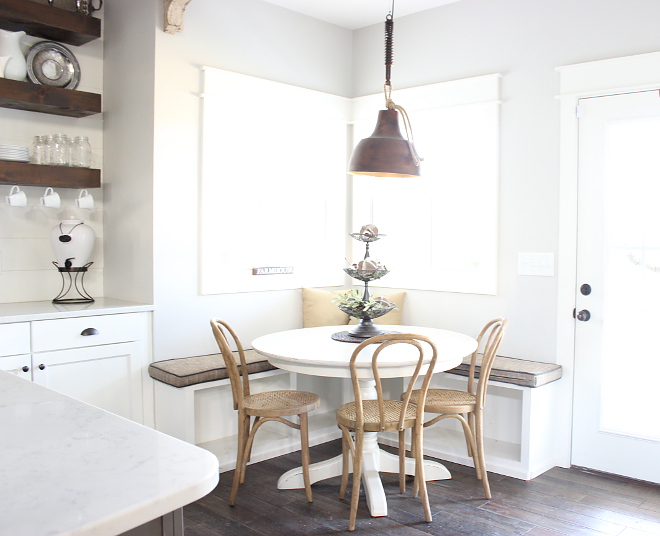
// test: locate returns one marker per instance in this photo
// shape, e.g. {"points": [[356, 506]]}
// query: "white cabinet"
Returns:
{"points": [[98, 359]]}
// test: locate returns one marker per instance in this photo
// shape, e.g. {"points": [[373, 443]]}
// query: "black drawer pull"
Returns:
{"points": [[26, 369], [42, 366], [89, 331]]}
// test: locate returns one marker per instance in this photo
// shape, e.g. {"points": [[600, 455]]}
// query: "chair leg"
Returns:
{"points": [[239, 459], [304, 446], [480, 452], [470, 419], [357, 477], [344, 462], [247, 429], [414, 450], [420, 478], [402, 461], [469, 433]]}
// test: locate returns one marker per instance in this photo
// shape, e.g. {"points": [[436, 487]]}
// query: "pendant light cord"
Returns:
{"points": [[389, 103]]}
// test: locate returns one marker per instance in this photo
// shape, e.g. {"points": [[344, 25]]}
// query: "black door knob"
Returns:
{"points": [[26, 369], [42, 366], [584, 315]]}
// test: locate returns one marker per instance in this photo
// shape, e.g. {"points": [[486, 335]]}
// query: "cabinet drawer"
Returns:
{"points": [[65, 333], [14, 338]]}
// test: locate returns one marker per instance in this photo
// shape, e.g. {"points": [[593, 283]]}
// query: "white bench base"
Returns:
{"points": [[518, 428], [186, 412]]}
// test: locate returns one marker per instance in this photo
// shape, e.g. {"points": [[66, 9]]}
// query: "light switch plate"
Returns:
{"points": [[542, 264]]}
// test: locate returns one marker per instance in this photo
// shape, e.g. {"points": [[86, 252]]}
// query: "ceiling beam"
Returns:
{"points": [[174, 15]]}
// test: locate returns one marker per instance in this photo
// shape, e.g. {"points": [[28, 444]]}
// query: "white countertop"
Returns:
{"points": [[46, 310], [68, 468]]}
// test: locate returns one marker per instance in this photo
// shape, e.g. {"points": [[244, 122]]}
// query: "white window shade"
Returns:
{"points": [[273, 184]]}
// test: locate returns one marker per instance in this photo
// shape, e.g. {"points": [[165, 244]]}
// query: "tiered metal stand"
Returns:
{"points": [[366, 328]]}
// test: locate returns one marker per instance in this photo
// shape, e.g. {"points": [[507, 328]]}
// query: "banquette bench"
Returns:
{"points": [[180, 381]]}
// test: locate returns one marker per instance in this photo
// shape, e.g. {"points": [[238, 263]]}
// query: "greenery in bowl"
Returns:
{"points": [[351, 303]]}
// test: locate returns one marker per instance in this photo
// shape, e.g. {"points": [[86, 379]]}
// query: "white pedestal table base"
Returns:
{"points": [[374, 461]]}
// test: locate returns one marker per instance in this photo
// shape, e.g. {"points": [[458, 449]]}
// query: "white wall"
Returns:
{"points": [[525, 41], [129, 136], [26, 270]]}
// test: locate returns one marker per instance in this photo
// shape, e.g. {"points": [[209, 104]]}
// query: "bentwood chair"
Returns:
{"points": [[449, 403], [264, 407], [382, 415]]}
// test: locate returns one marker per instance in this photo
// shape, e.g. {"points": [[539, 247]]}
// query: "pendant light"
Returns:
{"points": [[386, 153]]}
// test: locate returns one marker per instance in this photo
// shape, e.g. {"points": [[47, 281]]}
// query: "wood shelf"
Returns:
{"points": [[54, 176], [48, 22], [48, 100]]}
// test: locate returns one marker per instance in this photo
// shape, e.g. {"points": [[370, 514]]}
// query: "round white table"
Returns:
{"points": [[312, 351]]}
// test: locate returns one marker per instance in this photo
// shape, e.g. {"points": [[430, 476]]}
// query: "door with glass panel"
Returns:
{"points": [[616, 417]]}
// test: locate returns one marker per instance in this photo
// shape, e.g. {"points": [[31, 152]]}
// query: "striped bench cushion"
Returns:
{"points": [[516, 371], [185, 371]]}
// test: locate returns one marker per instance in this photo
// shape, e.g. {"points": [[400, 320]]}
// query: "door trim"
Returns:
{"points": [[592, 79]]}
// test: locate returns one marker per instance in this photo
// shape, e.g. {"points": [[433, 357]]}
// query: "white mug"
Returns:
{"points": [[85, 200], [16, 197], [50, 199]]}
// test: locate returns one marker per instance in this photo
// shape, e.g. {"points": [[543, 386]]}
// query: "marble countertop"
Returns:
{"points": [[47, 310], [68, 468]]}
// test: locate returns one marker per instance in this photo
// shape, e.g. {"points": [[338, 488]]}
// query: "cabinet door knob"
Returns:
{"points": [[89, 331], [42, 366], [26, 369]]}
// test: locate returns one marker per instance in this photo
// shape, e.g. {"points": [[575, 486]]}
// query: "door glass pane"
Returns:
{"points": [[631, 352]]}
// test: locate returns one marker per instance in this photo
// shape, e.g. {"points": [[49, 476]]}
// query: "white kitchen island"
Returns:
{"points": [[69, 468]]}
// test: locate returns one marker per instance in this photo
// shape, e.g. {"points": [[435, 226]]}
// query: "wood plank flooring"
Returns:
{"points": [[560, 502]]}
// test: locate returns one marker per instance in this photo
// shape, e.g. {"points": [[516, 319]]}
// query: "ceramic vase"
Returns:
{"points": [[73, 243], [16, 66]]}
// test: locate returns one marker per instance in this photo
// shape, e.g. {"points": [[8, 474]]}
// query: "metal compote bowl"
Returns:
{"points": [[366, 328]]}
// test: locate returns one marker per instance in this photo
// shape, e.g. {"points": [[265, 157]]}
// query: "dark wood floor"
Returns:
{"points": [[561, 501]]}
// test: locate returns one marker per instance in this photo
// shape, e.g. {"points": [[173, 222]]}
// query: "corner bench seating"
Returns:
{"points": [[516, 371], [186, 371], [178, 380]]}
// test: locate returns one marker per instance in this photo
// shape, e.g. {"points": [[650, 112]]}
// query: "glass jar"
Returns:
{"points": [[59, 155], [48, 150], [81, 152], [38, 150]]}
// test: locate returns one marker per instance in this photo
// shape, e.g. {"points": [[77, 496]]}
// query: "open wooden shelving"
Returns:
{"points": [[53, 176], [48, 100], [48, 22], [72, 28]]}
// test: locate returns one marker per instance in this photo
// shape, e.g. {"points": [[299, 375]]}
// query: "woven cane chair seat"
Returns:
{"points": [[347, 415], [446, 400], [282, 403]]}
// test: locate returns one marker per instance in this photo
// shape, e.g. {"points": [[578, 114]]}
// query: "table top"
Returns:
{"points": [[69, 468], [313, 351]]}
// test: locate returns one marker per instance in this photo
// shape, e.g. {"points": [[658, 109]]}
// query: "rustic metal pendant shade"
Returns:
{"points": [[386, 153]]}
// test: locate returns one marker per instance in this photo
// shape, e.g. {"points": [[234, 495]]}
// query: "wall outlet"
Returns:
{"points": [[542, 264]]}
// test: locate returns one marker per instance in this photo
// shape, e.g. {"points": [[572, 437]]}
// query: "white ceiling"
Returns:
{"points": [[354, 14]]}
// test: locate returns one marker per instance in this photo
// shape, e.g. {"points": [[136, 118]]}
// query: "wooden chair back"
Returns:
{"points": [[384, 342], [238, 377], [492, 334]]}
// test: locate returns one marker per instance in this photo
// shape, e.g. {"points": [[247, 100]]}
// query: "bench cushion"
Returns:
{"points": [[516, 371], [186, 371]]}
